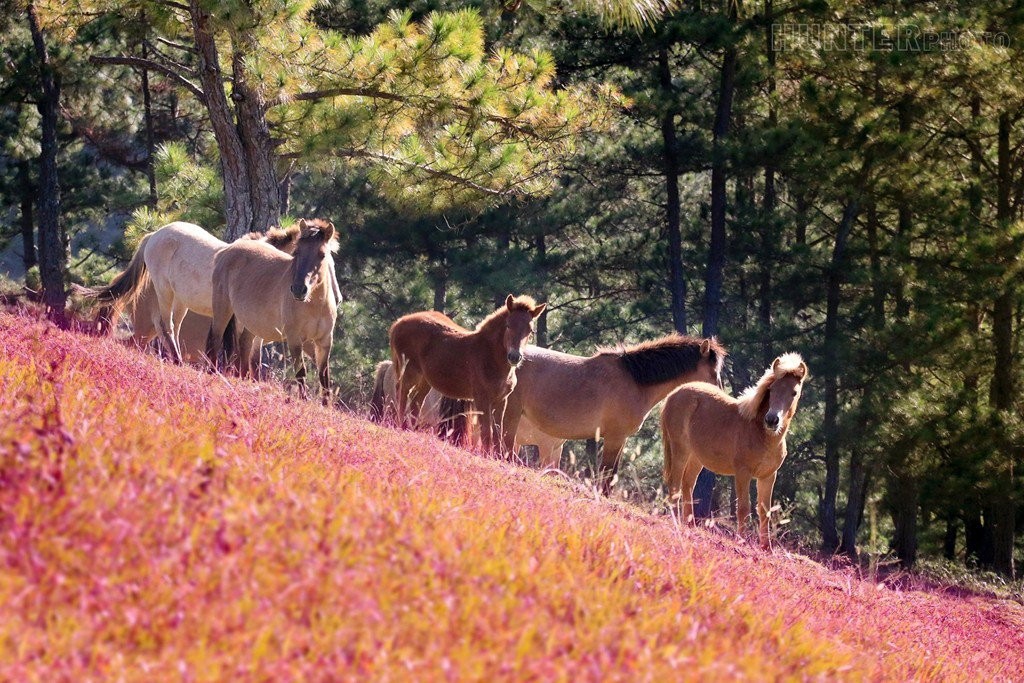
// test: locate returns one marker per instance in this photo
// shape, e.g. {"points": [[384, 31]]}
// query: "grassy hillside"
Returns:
{"points": [[156, 523]]}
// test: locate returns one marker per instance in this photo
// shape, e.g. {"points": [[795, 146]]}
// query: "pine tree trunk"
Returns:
{"points": [[676, 279], [904, 519], [238, 209], [768, 231], [542, 268], [52, 244], [147, 112], [704, 490], [855, 500], [28, 199], [716, 249], [1002, 392], [254, 131], [827, 514]]}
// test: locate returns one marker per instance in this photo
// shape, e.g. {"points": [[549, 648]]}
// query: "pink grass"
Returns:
{"points": [[157, 522]]}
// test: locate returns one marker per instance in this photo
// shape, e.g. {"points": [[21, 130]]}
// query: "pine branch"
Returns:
{"points": [[149, 64], [392, 97], [433, 172]]}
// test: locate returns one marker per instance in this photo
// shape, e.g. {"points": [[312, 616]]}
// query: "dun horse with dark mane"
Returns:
{"points": [[702, 426], [605, 395], [262, 293], [429, 350]]}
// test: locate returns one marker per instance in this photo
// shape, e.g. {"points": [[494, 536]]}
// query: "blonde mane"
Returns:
{"points": [[751, 398]]}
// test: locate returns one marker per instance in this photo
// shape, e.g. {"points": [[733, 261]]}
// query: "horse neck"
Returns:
{"points": [[489, 337], [654, 393]]}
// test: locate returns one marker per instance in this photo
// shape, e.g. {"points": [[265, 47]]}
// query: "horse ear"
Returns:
{"points": [[537, 310], [705, 347], [327, 233], [508, 302], [803, 371], [775, 363], [302, 224]]}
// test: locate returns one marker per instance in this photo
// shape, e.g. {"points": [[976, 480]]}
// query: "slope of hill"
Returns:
{"points": [[157, 522]]}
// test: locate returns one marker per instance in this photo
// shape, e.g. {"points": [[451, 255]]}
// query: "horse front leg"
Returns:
{"points": [[508, 425], [764, 507], [322, 354], [299, 365]]}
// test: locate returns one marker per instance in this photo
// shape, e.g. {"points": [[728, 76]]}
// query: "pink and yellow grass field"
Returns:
{"points": [[159, 523]]}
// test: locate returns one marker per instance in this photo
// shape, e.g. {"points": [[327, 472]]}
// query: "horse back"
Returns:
{"points": [[431, 344], [180, 258]]}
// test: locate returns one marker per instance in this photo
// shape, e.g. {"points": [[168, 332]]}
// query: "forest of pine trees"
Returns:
{"points": [[841, 179]]}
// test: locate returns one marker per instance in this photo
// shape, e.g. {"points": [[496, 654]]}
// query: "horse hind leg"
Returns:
{"points": [[163, 322], [764, 507], [610, 456]]}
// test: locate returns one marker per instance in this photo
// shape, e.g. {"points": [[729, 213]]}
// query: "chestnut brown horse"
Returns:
{"points": [[430, 350], [262, 293], [607, 395], [702, 426]]}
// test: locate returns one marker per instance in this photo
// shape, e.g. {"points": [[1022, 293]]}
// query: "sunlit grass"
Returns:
{"points": [[157, 522]]}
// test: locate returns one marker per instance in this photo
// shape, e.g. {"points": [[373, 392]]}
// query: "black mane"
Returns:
{"points": [[665, 359]]}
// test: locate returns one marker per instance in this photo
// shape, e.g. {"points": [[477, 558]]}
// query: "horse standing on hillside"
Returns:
{"points": [[175, 261], [450, 418], [606, 395], [703, 426], [430, 350], [262, 293]]}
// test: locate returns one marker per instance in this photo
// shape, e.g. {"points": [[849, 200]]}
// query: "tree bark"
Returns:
{"points": [[904, 517], [52, 244], [238, 209], [768, 232], [542, 267], [716, 249], [1002, 392], [28, 199], [147, 111], [703, 491], [827, 516], [261, 162], [676, 279]]}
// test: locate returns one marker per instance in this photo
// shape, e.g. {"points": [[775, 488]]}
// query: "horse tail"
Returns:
{"points": [[126, 285], [454, 423], [379, 397]]}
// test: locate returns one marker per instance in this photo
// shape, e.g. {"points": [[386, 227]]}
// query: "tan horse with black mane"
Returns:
{"points": [[702, 426], [607, 395], [430, 350], [262, 293]]}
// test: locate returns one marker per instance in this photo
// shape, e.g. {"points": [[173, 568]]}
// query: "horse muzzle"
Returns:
{"points": [[772, 422], [514, 358], [300, 292]]}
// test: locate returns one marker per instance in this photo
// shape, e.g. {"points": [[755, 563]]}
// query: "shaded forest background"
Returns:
{"points": [[840, 179]]}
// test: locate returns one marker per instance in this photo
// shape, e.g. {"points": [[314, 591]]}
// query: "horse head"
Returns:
{"points": [[521, 311], [316, 240], [788, 374], [712, 358]]}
